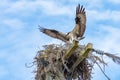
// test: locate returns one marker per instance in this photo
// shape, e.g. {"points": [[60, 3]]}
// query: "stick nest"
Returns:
{"points": [[50, 65]]}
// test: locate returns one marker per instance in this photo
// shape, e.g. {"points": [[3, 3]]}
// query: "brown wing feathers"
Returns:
{"points": [[80, 19], [80, 13], [54, 33], [78, 30]]}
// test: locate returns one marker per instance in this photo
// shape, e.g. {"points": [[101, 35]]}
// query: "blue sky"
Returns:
{"points": [[20, 38]]}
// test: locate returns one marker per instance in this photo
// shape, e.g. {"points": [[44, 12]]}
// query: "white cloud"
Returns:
{"points": [[95, 4], [114, 1], [20, 7], [53, 8], [111, 40], [48, 7], [13, 23], [4, 3], [105, 15]]}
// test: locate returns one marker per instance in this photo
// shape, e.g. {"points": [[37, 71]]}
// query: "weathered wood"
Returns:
{"points": [[71, 50], [83, 54], [68, 54]]}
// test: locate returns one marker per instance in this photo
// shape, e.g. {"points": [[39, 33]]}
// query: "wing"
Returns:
{"points": [[54, 34], [80, 21]]}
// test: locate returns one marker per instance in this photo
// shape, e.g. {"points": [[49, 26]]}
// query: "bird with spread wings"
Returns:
{"points": [[78, 31]]}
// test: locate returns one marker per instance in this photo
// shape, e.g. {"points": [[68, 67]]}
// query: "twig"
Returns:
{"points": [[102, 71]]}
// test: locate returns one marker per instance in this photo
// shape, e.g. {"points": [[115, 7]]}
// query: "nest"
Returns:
{"points": [[50, 65]]}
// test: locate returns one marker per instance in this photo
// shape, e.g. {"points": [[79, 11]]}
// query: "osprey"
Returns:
{"points": [[78, 31]]}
